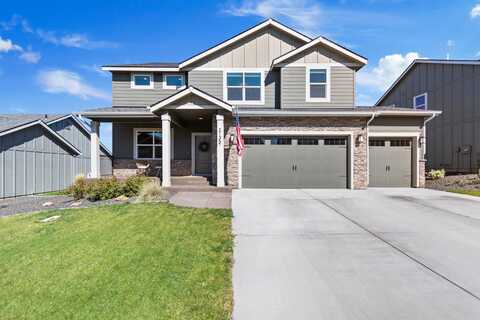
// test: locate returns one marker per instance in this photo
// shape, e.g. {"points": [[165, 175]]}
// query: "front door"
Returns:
{"points": [[202, 155]]}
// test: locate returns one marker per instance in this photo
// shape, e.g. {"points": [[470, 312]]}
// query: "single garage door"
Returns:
{"points": [[294, 162], [390, 162]]}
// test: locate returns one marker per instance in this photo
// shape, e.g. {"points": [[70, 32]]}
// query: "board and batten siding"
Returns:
{"points": [[124, 96], [293, 87], [256, 51], [212, 82], [453, 138], [32, 161]]}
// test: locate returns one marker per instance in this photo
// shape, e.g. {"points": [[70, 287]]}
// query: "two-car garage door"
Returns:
{"points": [[295, 162]]}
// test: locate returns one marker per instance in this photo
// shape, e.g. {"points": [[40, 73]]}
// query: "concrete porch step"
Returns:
{"points": [[190, 181]]}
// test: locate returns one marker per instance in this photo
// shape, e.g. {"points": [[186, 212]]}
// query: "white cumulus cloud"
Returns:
{"points": [[389, 68], [30, 56], [302, 13], [475, 12], [64, 81], [7, 45]]}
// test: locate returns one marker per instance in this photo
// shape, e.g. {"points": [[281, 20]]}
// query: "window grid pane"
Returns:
{"points": [[318, 90], [318, 76], [142, 80], [244, 86], [149, 144], [335, 142]]}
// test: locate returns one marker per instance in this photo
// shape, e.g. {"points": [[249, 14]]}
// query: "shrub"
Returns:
{"points": [[151, 192], [132, 186], [104, 189], [78, 189], [437, 174]]}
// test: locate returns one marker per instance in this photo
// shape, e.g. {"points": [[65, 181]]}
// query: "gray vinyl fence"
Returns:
{"points": [[33, 161]]}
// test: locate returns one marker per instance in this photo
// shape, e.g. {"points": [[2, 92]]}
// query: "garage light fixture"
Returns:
{"points": [[360, 138]]}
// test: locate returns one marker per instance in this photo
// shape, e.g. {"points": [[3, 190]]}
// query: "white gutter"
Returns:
{"points": [[424, 145]]}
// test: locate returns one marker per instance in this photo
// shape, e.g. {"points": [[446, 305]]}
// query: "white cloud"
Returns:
{"points": [[30, 56], [302, 13], [64, 81], [96, 69], [73, 40], [386, 72], [7, 45], [364, 100], [475, 12]]}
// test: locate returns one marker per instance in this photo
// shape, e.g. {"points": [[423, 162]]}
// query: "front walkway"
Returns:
{"points": [[340, 254]]}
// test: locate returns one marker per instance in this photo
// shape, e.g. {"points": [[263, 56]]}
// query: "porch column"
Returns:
{"points": [[95, 150], [220, 150], [166, 150]]}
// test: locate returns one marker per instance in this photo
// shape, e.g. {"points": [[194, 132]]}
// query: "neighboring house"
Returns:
{"points": [[452, 86], [295, 97], [41, 153]]}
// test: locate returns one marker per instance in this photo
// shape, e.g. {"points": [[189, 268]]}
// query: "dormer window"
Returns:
{"points": [[173, 81], [142, 81], [318, 84]]}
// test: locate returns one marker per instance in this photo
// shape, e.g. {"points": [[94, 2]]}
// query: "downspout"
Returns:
{"points": [[374, 114], [424, 145]]}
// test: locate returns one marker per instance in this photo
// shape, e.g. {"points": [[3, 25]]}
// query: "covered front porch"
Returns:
{"points": [[187, 128]]}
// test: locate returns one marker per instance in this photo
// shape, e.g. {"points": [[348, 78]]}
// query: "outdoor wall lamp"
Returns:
{"points": [[360, 139], [421, 141]]}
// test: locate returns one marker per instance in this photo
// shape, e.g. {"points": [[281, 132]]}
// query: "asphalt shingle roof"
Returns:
{"points": [[10, 121]]}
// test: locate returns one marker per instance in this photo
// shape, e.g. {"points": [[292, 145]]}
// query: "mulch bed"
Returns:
{"points": [[463, 182]]}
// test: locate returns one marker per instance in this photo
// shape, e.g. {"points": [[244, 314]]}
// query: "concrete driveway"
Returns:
{"points": [[341, 254]]}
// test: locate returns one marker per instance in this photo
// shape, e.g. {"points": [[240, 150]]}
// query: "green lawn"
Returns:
{"points": [[137, 261], [464, 191]]}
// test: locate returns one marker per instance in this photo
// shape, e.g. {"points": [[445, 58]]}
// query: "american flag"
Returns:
{"points": [[240, 144]]}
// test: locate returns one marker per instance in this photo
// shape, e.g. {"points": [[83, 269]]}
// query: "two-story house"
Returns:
{"points": [[295, 98]]}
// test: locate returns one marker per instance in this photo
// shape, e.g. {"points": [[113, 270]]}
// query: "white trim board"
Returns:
{"points": [[184, 93], [327, 43], [348, 134], [419, 95], [193, 148], [167, 87]]}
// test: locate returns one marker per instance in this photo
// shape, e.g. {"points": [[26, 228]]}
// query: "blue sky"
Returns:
{"points": [[50, 51]]}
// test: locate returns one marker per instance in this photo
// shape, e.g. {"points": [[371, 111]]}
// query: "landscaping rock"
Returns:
{"points": [[76, 204], [50, 219], [47, 204], [121, 198]]}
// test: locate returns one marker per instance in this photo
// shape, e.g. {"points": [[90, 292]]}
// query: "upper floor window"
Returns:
{"points": [[244, 87], [318, 84], [420, 101], [173, 81], [142, 81]]}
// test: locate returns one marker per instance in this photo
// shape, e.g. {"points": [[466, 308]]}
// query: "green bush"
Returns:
{"points": [[132, 186], [105, 188], [78, 189], [437, 174], [151, 192]]}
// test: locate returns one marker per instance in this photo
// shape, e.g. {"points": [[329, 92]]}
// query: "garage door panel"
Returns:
{"points": [[390, 163], [287, 164]]}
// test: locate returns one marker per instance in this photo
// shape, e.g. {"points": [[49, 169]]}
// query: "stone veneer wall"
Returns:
{"points": [[421, 173], [128, 167], [355, 125]]}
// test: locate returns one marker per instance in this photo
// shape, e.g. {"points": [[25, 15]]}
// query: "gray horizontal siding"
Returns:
{"points": [[293, 84], [32, 161], [455, 90], [212, 83], [396, 124], [124, 95]]}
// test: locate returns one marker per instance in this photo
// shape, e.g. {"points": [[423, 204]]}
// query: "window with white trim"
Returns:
{"points": [[317, 84], [142, 81], [173, 81], [148, 143], [421, 101], [244, 87]]}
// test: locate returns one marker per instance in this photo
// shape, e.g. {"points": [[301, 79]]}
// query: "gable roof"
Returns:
{"points": [[185, 92], [14, 123], [169, 66], [417, 61], [328, 43], [246, 33]]}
